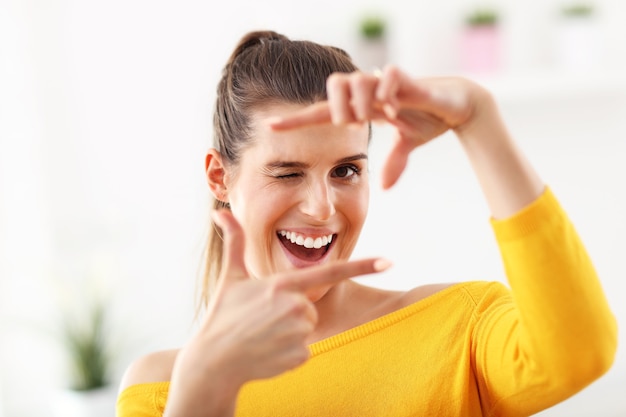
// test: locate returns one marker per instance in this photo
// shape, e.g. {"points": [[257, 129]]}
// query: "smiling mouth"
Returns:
{"points": [[307, 249]]}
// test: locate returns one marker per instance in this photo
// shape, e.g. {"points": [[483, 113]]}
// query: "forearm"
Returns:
{"points": [[557, 334], [219, 402], [203, 384], [506, 177], [561, 335]]}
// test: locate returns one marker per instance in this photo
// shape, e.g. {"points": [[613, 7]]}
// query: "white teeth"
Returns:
{"points": [[307, 242]]}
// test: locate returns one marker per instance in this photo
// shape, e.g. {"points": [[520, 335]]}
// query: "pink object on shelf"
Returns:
{"points": [[480, 49]]}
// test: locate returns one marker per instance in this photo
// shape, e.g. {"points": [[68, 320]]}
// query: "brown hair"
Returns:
{"points": [[265, 67]]}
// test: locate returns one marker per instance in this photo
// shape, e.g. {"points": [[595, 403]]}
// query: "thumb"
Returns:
{"points": [[396, 162], [233, 265]]}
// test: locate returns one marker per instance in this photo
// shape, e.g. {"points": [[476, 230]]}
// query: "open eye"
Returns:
{"points": [[345, 171]]}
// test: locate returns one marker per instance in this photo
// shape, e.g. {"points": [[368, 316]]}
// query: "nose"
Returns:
{"points": [[318, 201]]}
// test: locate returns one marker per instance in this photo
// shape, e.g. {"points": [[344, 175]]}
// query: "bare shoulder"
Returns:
{"points": [[153, 367]]}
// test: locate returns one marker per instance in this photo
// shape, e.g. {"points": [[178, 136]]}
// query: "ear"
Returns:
{"points": [[216, 175]]}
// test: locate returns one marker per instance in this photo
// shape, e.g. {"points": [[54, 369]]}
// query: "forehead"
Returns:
{"points": [[314, 141]]}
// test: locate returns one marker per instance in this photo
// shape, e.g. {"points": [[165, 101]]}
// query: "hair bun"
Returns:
{"points": [[254, 38]]}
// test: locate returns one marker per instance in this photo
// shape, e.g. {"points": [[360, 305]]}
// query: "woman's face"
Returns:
{"points": [[300, 195]]}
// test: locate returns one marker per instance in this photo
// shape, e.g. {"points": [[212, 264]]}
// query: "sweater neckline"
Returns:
{"points": [[335, 341], [377, 324]]}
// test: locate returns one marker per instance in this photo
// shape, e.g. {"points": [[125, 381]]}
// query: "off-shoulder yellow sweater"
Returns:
{"points": [[473, 349]]}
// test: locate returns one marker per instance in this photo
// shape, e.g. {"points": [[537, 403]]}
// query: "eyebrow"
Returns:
{"points": [[303, 165]]}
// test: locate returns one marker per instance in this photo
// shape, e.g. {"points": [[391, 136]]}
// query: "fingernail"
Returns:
{"points": [[382, 264]]}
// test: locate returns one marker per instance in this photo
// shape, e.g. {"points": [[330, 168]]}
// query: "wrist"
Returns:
{"points": [[216, 401], [484, 120]]}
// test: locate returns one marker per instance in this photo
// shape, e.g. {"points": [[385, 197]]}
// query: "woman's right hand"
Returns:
{"points": [[254, 328]]}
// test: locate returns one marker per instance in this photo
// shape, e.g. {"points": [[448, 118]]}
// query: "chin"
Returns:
{"points": [[316, 295]]}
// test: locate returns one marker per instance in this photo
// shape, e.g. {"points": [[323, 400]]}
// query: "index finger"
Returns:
{"points": [[315, 114], [319, 276]]}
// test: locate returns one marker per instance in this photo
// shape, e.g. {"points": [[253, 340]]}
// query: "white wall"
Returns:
{"points": [[105, 118]]}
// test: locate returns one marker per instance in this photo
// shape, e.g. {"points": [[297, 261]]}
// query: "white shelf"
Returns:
{"points": [[552, 84]]}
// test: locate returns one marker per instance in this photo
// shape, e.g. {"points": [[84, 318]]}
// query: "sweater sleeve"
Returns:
{"points": [[555, 333], [142, 400]]}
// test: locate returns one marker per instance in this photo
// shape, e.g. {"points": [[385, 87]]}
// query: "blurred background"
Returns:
{"points": [[105, 118]]}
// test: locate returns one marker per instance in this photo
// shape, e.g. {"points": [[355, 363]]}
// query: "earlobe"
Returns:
{"points": [[216, 175]]}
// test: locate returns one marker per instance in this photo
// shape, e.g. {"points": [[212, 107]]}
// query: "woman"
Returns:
{"points": [[287, 333]]}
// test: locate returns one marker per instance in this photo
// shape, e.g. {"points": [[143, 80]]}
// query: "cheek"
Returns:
{"points": [[356, 207], [258, 209], [365, 202], [255, 204]]}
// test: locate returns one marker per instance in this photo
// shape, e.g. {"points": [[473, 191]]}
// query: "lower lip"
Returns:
{"points": [[302, 263]]}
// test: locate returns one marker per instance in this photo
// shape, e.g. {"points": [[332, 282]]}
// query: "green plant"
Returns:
{"points": [[86, 346], [482, 17], [577, 10], [373, 27]]}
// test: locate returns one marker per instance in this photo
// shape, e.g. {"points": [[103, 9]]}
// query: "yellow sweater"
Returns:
{"points": [[473, 349]]}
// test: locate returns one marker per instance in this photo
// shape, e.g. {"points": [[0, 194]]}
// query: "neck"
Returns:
{"points": [[333, 310]]}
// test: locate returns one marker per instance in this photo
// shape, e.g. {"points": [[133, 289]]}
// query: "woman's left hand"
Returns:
{"points": [[420, 110]]}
